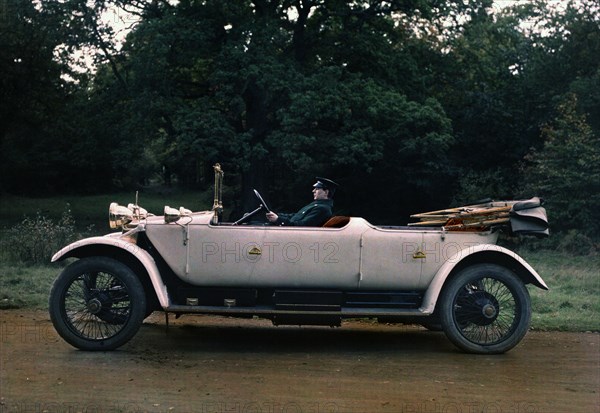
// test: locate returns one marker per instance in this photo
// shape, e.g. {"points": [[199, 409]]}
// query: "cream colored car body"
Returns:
{"points": [[451, 275], [356, 257]]}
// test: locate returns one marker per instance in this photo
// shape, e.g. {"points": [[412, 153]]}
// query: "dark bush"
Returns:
{"points": [[34, 240]]}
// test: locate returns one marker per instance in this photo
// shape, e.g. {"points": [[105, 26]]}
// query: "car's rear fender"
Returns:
{"points": [[485, 253], [122, 249]]}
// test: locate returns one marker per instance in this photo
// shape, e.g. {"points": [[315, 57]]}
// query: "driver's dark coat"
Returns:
{"points": [[314, 214]]}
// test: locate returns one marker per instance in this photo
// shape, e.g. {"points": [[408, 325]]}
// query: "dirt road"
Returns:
{"points": [[219, 365]]}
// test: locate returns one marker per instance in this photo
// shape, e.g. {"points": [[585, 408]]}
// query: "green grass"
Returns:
{"points": [[573, 301], [26, 287]]}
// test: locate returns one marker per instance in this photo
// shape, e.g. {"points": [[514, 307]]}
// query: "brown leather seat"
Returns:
{"points": [[337, 221]]}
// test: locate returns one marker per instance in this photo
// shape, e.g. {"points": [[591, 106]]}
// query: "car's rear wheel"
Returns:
{"points": [[485, 309], [97, 303]]}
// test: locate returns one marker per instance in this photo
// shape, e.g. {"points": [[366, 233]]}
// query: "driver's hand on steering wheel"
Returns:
{"points": [[272, 216]]}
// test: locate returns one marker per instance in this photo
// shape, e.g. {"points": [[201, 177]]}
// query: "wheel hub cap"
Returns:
{"points": [[94, 306], [489, 311], [480, 308]]}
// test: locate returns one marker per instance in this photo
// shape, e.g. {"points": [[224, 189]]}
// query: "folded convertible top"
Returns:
{"points": [[524, 217]]}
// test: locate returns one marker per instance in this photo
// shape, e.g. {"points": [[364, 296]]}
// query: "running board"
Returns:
{"points": [[265, 310]]}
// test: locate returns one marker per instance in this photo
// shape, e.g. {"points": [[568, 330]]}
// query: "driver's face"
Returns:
{"points": [[320, 193]]}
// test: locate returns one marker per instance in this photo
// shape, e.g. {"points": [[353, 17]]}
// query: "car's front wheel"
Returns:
{"points": [[485, 309], [97, 303]]}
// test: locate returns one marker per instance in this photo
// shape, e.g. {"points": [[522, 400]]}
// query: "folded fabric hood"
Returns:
{"points": [[529, 218]]}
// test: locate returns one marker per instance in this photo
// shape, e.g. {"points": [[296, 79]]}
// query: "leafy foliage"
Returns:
{"points": [[423, 103], [566, 171], [32, 95]]}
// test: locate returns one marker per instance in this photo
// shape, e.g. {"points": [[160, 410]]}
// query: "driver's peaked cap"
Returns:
{"points": [[326, 184]]}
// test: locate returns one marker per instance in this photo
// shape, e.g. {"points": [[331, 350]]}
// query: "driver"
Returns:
{"points": [[314, 214]]}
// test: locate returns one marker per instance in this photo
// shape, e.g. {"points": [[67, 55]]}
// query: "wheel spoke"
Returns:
{"points": [[96, 305], [485, 311]]}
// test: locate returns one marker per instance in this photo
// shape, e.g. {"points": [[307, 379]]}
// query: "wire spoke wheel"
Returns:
{"points": [[97, 304], [485, 309], [485, 312]]}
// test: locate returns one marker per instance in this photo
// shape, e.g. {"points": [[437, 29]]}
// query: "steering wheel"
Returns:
{"points": [[262, 207]]}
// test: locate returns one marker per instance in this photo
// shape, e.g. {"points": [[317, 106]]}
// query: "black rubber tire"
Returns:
{"points": [[485, 309], [97, 315]]}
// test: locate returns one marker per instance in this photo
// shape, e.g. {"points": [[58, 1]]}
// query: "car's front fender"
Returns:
{"points": [[106, 245], [484, 253]]}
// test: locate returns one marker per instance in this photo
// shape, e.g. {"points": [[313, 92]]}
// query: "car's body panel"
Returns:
{"points": [[405, 258], [264, 256], [402, 264], [267, 256], [261, 256], [357, 257], [387, 259]]}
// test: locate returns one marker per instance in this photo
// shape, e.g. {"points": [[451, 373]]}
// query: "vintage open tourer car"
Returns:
{"points": [[444, 270]]}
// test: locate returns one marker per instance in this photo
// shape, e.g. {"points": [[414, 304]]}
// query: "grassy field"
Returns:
{"points": [[572, 304]]}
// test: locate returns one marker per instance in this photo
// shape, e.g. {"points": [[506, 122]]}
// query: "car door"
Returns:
{"points": [[268, 256], [309, 257], [391, 259], [223, 255]]}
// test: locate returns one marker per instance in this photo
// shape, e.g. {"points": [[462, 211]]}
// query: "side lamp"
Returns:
{"points": [[173, 215]]}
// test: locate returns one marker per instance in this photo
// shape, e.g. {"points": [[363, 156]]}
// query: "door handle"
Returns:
{"points": [[419, 255], [254, 251]]}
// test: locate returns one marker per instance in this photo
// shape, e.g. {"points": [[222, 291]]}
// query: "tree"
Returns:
{"points": [[484, 88], [419, 101], [500, 80], [265, 86], [33, 94], [566, 171]]}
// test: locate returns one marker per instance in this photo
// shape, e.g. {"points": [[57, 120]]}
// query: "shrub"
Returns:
{"points": [[575, 243], [35, 239]]}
